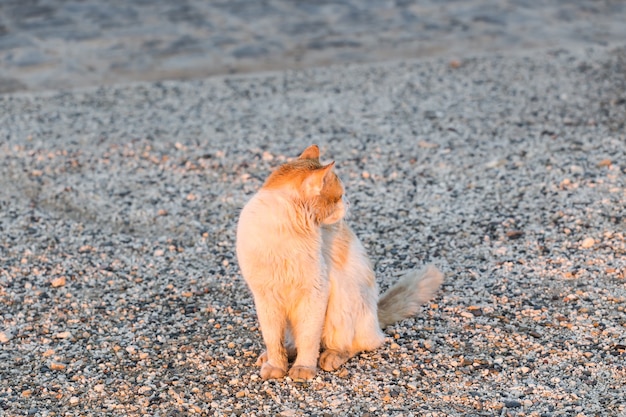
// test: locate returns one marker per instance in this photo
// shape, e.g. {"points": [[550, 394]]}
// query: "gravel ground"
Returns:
{"points": [[119, 289]]}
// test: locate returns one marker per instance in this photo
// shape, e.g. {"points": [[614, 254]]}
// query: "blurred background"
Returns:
{"points": [[60, 44]]}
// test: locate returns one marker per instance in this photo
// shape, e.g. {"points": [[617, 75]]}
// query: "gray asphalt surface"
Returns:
{"points": [[119, 289], [55, 44]]}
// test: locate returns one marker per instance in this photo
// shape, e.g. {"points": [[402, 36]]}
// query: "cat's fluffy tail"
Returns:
{"points": [[405, 297]]}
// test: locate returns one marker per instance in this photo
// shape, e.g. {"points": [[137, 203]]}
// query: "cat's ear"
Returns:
{"points": [[314, 183], [312, 152]]}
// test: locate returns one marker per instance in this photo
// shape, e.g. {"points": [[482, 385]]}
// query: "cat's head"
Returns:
{"points": [[315, 184]]}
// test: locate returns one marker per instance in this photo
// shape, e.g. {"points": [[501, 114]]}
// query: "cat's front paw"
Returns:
{"points": [[333, 359], [301, 373], [262, 358], [269, 371]]}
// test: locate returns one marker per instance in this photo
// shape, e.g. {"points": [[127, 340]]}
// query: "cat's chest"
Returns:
{"points": [[271, 231]]}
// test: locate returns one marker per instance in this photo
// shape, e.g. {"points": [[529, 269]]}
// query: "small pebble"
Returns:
{"points": [[512, 404], [587, 243], [144, 389], [5, 337], [58, 282], [56, 366]]}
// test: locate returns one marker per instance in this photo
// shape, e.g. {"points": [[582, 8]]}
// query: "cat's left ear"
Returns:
{"points": [[314, 183], [312, 152]]}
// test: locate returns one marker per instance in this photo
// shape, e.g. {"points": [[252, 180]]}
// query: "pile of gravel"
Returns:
{"points": [[119, 289]]}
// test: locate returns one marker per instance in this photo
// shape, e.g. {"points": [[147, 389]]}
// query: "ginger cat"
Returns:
{"points": [[312, 281]]}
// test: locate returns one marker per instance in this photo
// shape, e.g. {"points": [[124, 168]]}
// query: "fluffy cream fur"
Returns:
{"points": [[312, 281]]}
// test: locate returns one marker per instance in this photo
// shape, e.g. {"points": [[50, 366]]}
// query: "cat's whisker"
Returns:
{"points": [[346, 207]]}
